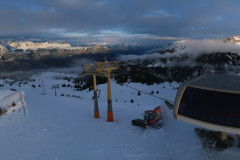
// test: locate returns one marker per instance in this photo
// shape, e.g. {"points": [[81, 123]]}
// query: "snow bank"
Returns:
{"points": [[8, 97]]}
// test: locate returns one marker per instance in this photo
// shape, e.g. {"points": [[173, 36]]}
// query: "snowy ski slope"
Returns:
{"points": [[63, 127]]}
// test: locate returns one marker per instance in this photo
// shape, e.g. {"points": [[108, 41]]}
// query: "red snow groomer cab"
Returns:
{"points": [[152, 118]]}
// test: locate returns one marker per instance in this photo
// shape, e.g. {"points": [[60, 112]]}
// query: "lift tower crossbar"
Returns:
{"points": [[102, 69]]}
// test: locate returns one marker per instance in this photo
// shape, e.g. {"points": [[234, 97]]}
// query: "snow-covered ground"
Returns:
{"points": [[10, 101], [63, 127]]}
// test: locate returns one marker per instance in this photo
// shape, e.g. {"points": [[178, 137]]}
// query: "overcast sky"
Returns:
{"points": [[111, 21]]}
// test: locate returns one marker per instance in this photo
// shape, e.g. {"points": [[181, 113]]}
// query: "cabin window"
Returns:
{"points": [[211, 106]]}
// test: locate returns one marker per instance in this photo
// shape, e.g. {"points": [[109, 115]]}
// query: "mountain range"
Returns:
{"points": [[199, 52], [47, 48], [214, 52], [182, 60]]}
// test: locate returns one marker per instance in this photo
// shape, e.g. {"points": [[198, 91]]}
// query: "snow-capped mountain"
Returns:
{"points": [[11, 50], [3, 49], [234, 39], [38, 45], [215, 52], [24, 46], [26, 54], [195, 52], [206, 46]]}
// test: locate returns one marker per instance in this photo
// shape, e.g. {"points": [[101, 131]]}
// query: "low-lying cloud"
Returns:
{"points": [[207, 46], [185, 48]]}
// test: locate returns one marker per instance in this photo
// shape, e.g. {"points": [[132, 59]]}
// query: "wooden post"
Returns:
{"points": [[96, 111], [223, 140], [238, 140], [55, 89], [223, 136], [109, 112]]}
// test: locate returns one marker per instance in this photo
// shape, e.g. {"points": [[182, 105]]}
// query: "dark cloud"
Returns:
{"points": [[135, 21]]}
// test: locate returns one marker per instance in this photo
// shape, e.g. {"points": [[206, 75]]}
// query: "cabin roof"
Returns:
{"points": [[219, 82]]}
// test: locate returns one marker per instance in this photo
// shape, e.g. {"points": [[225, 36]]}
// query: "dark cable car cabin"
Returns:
{"points": [[211, 101]]}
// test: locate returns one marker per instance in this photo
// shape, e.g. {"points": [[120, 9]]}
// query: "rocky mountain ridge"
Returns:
{"points": [[233, 39], [182, 60], [11, 50], [37, 55], [200, 52], [25, 45], [3, 49], [27, 55]]}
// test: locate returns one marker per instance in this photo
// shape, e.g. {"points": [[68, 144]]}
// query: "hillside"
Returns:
{"points": [[182, 60]]}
